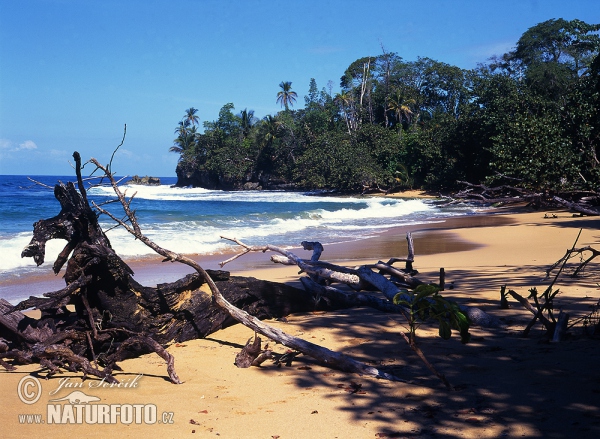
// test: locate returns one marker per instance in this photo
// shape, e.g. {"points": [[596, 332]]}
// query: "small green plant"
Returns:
{"points": [[425, 303]]}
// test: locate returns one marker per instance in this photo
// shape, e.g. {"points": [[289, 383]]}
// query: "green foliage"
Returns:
{"points": [[531, 114], [571, 42], [349, 162], [429, 157], [532, 148], [425, 303]]}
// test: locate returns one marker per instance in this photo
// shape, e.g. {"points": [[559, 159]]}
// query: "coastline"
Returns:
{"points": [[390, 243], [508, 386]]}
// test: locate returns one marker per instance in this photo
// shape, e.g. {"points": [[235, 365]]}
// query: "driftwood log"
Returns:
{"points": [[322, 274], [584, 202]]}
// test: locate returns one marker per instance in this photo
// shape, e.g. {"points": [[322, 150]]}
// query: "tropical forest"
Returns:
{"points": [[529, 117]]}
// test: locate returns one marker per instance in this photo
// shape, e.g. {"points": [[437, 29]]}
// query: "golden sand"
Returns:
{"points": [[507, 386]]}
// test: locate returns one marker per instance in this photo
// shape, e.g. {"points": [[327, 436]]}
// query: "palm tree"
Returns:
{"points": [[270, 129], [247, 121], [401, 106], [286, 96], [190, 116], [186, 136]]}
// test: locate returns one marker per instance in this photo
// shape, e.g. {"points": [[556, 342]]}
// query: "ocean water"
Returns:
{"points": [[192, 220]]}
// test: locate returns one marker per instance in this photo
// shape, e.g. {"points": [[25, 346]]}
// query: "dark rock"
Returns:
{"points": [[250, 186], [146, 181], [210, 180]]}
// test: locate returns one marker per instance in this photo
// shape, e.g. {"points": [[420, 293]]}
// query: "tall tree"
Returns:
{"points": [[184, 143], [247, 121], [401, 106], [191, 117], [286, 96], [312, 99], [345, 102], [551, 55], [571, 42]]}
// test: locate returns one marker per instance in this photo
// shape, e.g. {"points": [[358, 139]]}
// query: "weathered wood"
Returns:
{"points": [[578, 207], [316, 247], [315, 270], [583, 260], [537, 315], [245, 358], [349, 299], [379, 281], [410, 258], [119, 317], [322, 355], [364, 278], [397, 276], [561, 327], [503, 299], [19, 328]]}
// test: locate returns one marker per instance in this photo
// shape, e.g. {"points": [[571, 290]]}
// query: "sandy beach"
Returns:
{"points": [[505, 385]]}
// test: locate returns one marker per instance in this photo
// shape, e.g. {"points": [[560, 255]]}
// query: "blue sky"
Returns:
{"points": [[73, 73]]}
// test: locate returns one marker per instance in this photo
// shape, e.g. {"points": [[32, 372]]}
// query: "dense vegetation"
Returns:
{"points": [[531, 114]]}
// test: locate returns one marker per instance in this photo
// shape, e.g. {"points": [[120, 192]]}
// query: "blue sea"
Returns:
{"points": [[192, 220]]}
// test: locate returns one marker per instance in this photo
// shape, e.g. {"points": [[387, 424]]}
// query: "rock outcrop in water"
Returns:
{"points": [[146, 181]]}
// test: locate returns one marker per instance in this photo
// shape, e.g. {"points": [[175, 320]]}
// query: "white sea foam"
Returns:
{"points": [[186, 228], [202, 237], [170, 193], [377, 209], [11, 247]]}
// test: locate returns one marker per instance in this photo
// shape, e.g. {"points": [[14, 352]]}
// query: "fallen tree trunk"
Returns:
{"points": [[580, 207]]}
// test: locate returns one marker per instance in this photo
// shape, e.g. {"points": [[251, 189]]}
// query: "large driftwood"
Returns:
{"points": [[582, 206], [363, 278], [321, 274], [506, 194], [360, 278], [583, 201], [111, 310]]}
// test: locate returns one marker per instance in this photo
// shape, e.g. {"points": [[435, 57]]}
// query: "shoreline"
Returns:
{"points": [[506, 385], [429, 238]]}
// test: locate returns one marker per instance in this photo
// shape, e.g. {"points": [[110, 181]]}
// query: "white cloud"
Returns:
{"points": [[5, 144], [126, 153], [9, 145], [27, 144]]}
